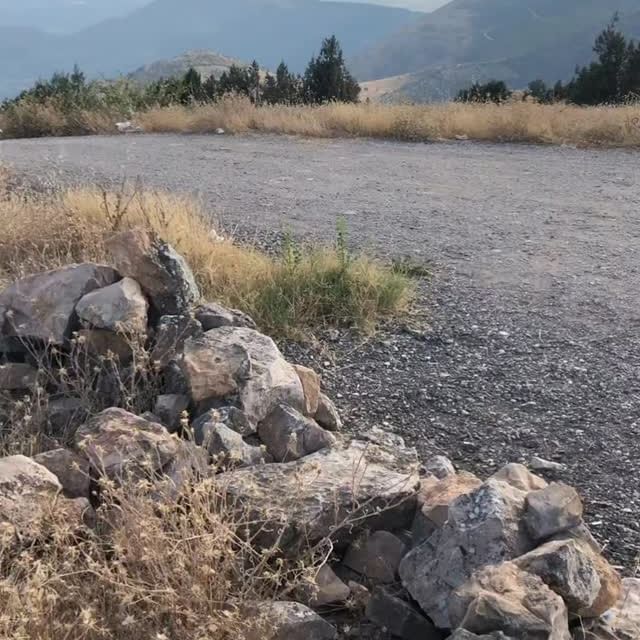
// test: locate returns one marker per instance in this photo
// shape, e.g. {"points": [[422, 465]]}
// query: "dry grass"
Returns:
{"points": [[512, 122], [303, 288]]}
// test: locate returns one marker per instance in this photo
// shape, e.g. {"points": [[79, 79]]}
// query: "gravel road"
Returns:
{"points": [[532, 345]]}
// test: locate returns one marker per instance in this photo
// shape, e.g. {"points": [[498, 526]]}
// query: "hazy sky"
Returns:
{"points": [[418, 5]]}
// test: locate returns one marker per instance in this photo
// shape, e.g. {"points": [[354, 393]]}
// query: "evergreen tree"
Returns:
{"points": [[492, 91], [191, 87], [327, 77]]}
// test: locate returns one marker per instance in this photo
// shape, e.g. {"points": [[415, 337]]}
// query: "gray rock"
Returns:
{"points": [[552, 510], [42, 306], [327, 415], [171, 334], [101, 342], [288, 435], [231, 417], [335, 492], [287, 621], [439, 466], [119, 307], [310, 381], [326, 588], [463, 634], [15, 376], [162, 273], [71, 470], [483, 527], [226, 446], [64, 414], [540, 464], [253, 369], [169, 408], [212, 315], [28, 493], [504, 598], [399, 618], [376, 556]]}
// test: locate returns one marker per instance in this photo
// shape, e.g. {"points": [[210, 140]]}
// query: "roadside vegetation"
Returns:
{"points": [[289, 292]]}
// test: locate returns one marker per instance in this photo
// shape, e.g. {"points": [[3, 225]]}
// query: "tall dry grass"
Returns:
{"points": [[301, 288], [525, 122]]}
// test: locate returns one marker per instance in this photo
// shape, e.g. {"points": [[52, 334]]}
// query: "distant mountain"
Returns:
{"points": [[267, 30], [206, 63], [62, 16], [472, 40]]}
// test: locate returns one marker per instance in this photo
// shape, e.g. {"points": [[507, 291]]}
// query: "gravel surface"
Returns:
{"points": [[530, 345]]}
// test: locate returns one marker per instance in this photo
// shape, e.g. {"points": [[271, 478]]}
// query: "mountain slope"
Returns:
{"points": [[481, 31]]}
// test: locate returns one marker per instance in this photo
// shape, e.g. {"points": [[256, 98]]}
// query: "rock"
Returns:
{"points": [[171, 334], [581, 533], [16, 376], [540, 464], [64, 414], [214, 369], [288, 435], [399, 618], [325, 589], [119, 307], [439, 466], [484, 527], [327, 415], [169, 408], [225, 445], [100, 342], [231, 417], [253, 368], [29, 495], [610, 588], [162, 273], [335, 492], [504, 598], [71, 470], [41, 307], [376, 556], [121, 445], [394, 445], [552, 510], [434, 499], [518, 476], [621, 622], [311, 387], [189, 465], [212, 315], [287, 621]]}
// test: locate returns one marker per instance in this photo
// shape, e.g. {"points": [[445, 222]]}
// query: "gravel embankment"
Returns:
{"points": [[531, 340]]}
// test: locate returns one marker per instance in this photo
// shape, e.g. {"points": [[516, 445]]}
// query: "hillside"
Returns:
{"points": [[207, 63], [267, 30], [473, 40]]}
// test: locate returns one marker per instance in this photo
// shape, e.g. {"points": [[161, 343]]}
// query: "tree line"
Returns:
{"points": [[326, 79], [612, 78]]}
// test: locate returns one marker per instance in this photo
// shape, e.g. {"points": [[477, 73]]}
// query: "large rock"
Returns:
{"points": [[170, 409], [71, 469], [163, 273], [484, 527], [288, 435], [438, 466], [311, 387], [120, 307], [335, 492], [434, 498], [399, 618], [376, 556], [242, 362], [286, 621], [229, 416], [42, 306], [121, 445], [212, 315], [551, 510], [171, 334], [585, 580], [226, 446], [99, 343], [504, 598], [325, 588], [17, 376], [621, 622], [29, 495]]}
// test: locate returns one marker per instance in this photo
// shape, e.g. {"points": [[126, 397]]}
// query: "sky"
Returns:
{"points": [[417, 5]]}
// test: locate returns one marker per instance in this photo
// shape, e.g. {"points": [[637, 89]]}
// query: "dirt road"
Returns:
{"points": [[534, 339]]}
